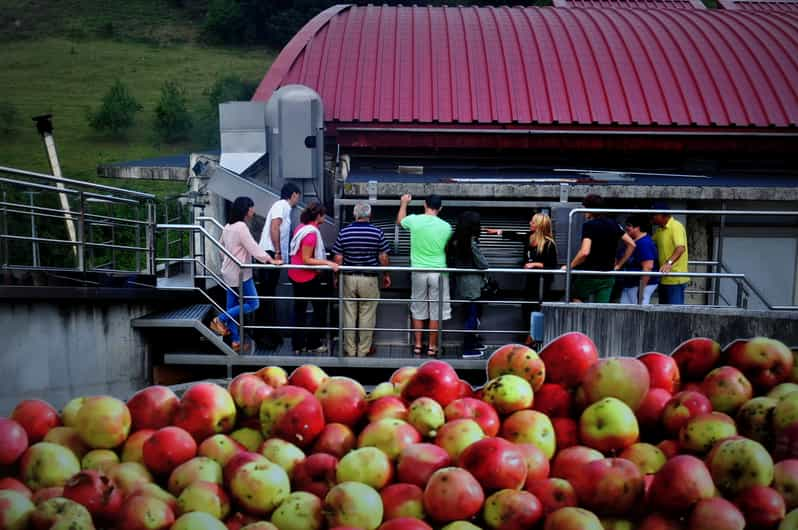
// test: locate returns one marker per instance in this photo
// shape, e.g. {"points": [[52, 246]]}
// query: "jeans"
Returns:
{"points": [[473, 312], [267, 280], [234, 310], [672, 294], [309, 338]]}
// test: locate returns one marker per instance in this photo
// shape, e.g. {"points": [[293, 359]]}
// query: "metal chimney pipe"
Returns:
{"points": [[44, 125]]}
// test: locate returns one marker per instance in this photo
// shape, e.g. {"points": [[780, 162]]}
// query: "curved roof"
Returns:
{"points": [[666, 4], [790, 6], [524, 67]]}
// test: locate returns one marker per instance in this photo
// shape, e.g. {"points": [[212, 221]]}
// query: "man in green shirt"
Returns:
{"points": [[671, 241], [428, 237]]}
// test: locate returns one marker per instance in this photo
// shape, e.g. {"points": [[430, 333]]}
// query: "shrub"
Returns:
{"points": [[224, 22], [172, 119], [8, 117], [228, 88], [117, 111]]}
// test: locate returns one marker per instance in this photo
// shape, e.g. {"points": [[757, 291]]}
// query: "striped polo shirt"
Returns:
{"points": [[360, 243]]}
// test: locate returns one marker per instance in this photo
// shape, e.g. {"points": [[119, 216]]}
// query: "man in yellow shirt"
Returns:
{"points": [[671, 241]]}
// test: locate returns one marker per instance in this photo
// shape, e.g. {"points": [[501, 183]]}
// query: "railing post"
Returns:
{"points": [[151, 241], [719, 254], [739, 294], [568, 259], [341, 315], [440, 310], [166, 235], [6, 259], [240, 309], [81, 250]]}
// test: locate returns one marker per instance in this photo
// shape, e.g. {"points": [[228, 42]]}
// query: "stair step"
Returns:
{"points": [[183, 317], [287, 361]]}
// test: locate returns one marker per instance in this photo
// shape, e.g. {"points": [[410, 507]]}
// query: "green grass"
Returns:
{"points": [[66, 77]]}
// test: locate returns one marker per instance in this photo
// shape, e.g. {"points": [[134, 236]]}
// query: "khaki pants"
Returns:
{"points": [[361, 314]]}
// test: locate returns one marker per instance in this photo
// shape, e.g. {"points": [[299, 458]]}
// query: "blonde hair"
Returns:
{"points": [[542, 233]]}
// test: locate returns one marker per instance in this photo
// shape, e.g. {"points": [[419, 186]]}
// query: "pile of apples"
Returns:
{"points": [[705, 438]]}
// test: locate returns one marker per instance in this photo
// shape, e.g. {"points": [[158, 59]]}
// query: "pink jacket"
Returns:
{"points": [[238, 242]]}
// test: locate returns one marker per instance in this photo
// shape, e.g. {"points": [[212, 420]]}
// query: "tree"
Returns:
{"points": [[227, 88], [224, 22], [117, 111], [172, 119]]}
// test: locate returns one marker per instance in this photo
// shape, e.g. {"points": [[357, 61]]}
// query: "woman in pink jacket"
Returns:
{"points": [[237, 240]]}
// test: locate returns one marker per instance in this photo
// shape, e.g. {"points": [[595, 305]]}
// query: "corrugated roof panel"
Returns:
{"points": [[644, 4], [516, 66], [785, 6]]}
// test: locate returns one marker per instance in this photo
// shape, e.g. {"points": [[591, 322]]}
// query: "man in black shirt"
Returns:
{"points": [[600, 236]]}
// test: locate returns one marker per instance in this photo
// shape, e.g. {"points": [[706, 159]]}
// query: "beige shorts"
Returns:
{"points": [[425, 287]]}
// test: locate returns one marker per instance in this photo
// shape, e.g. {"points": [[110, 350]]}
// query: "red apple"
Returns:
{"points": [[13, 441], [716, 514], [520, 360], [537, 464], [553, 493], [219, 447], [389, 436], [683, 406], [417, 462], [530, 426], [568, 463], [336, 439], [248, 392], [662, 370], [274, 376], [434, 379], [9, 483], [680, 483], [495, 463], [566, 432], [477, 410], [785, 480], [696, 357], [401, 376], [36, 417], [402, 500], [623, 378], [293, 414], [553, 400], [238, 460], [572, 518], [315, 474], [96, 492], [387, 407], [404, 523], [143, 512], [649, 413], [167, 448], [343, 400], [763, 507], [512, 510], [454, 436], [765, 362], [133, 449], [452, 494], [568, 357], [206, 409], [308, 376], [610, 486], [152, 408], [657, 521], [15, 510], [727, 388]]}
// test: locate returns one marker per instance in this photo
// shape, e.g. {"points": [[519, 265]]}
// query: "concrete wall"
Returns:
{"points": [[64, 349], [144, 172], [631, 330]]}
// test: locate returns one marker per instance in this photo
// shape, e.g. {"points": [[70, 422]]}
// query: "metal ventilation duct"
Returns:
{"points": [[242, 125]]}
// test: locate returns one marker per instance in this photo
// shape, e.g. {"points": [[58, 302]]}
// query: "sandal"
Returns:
{"points": [[218, 327], [432, 352], [417, 350]]}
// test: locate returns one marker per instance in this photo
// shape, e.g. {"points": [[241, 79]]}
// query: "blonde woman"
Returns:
{"points": [[540, 253]]}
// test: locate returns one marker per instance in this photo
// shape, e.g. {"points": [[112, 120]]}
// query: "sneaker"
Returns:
{"points": [[219, 328], [318, 349], [479, 347], [472, 354]]}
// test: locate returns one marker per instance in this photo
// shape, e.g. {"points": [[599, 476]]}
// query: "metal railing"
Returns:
{"points": [[109, 221], [202, 271]]}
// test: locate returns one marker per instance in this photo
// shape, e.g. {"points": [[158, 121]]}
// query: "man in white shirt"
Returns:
{"points": [[274, 240]]}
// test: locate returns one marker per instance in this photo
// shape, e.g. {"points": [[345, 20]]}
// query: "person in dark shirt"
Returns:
{"points": [[638, 289], [361, 244], [540, 252], [600, 236]]}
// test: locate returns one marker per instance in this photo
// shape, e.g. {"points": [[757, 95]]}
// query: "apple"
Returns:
{"points": [[662, 370], [608, 425], [204, 496], [343, 400], [611, 486], [786, 411], [495, 463], [696, 357], [133, 449], [738, 463], [97, 492], [754, 419], [197, 521], [785, 480], [299, 511], [367, 465], [308, 376], [452, 494], [511, 509], [553, 493], [219, 447], [530, 426], [568, 357], [383, 389], [435, 379], [103, 422], [69, 414], [648, 458], [790, 521], [129, 476], [765, 362], [15, 510], [508, 393], [353, 504], [248, 391], [537, 465], [388, 435], [315, 474], [336, 439], [154, 491], [520, 360], [13, 441], [454, 436], [426, 415], [460, 525], [244, 457], [152, 407], [167, 448], [99, 460], [657, 521], [45, 494], [566, 432], [260, 486], [553, 400], [683, 406], [649, 413], [401, 376], [700, 433], [240, 520], [417, 462], [59, 513], [285, 454], [293, 414], [387, 407], [727, 388], [69, 438], [405, 523], [569, 462], [679, 484], [623, 378], [779, 391], [205, 409], [716, 514], [143, 512], [9, 483], [763, 507], [44, 465], [572, 518], [36, 417], [475, 409], [274, 376], [198, 468], [402, 500]]}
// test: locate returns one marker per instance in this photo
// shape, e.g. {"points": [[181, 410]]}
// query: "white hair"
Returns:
{"points": [[361, 210]]}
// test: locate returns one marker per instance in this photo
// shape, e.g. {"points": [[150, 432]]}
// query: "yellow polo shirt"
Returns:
{"points": [[667, 238]]}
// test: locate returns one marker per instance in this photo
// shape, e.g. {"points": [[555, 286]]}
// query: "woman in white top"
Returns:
{"points": [[238, 241]]}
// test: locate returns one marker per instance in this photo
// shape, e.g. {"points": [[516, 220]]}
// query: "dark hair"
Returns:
{"points": [[240, 208], [311, 212], [662, 206], [638, 221], [459, 246], [289, 188], [593, 200], [434, 202]]}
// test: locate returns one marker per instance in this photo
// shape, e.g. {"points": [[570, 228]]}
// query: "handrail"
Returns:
{"points": [[65, 180]]}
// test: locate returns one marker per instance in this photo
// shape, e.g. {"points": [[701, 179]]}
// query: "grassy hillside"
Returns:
{"points": [[67, 77]]}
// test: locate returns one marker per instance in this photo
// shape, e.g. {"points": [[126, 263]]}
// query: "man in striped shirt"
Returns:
{"points": [[361, 244]]}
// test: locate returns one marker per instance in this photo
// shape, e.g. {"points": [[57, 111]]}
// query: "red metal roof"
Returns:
{"points": [[788, 6], [528, 67], [666, 4]]}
